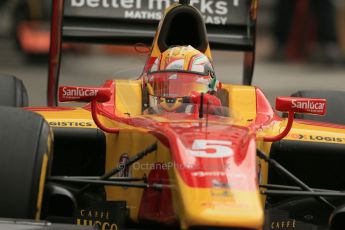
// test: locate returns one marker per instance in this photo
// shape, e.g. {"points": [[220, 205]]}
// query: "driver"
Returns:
{"points": [[178, 78]]}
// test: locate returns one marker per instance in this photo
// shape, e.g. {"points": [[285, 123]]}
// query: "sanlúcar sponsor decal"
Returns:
{"points": [[301, 105], [76, 93]]}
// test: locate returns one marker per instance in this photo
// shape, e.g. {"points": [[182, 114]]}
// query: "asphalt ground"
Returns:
{"points": [[93, 67]]}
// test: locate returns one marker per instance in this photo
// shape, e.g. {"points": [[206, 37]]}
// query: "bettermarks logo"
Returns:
{"points": [[214, 12]]}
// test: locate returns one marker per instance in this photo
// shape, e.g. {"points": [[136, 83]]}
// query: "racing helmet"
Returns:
{"points": [[178, 72], [183, 58]]}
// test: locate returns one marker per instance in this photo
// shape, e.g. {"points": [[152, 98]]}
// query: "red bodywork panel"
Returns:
{"points": [[156, 205]]}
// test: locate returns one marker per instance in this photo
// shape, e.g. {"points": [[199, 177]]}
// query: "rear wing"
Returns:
{"points": [[228, 22], [231, 25]]}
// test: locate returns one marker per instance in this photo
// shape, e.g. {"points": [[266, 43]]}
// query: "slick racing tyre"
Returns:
{"points": [[44, 225], [25, 144], [12, 92], [335, 112]]}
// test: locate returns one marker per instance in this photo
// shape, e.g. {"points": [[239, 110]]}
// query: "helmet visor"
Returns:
{"points": [[176, 84]]}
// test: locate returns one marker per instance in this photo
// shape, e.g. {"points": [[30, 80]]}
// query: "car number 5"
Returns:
{"points": [[211, 149]]}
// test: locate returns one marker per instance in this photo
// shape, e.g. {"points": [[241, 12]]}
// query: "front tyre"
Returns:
{"points": [[25, 145]]}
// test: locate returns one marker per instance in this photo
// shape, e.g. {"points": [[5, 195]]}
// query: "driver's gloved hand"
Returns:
{"points": [[212, 104], [208, 99]]}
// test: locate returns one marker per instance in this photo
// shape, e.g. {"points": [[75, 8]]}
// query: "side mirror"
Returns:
{"points": [[84, 94], [301, 105], [88, 94], [294, 105]]}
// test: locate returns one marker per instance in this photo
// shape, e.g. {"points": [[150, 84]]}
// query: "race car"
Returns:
{"points": [[31, 26], [175, 147]]}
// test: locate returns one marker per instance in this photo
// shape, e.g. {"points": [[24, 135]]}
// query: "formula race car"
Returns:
{"points": [[31, 29], [31, 25], [175, 148]]}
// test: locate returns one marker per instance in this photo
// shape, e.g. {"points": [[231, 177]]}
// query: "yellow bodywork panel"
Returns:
{"points": [[131, 143], [128, 97], [239, 208], [242, 101], [75, 118], [306, 132]]}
